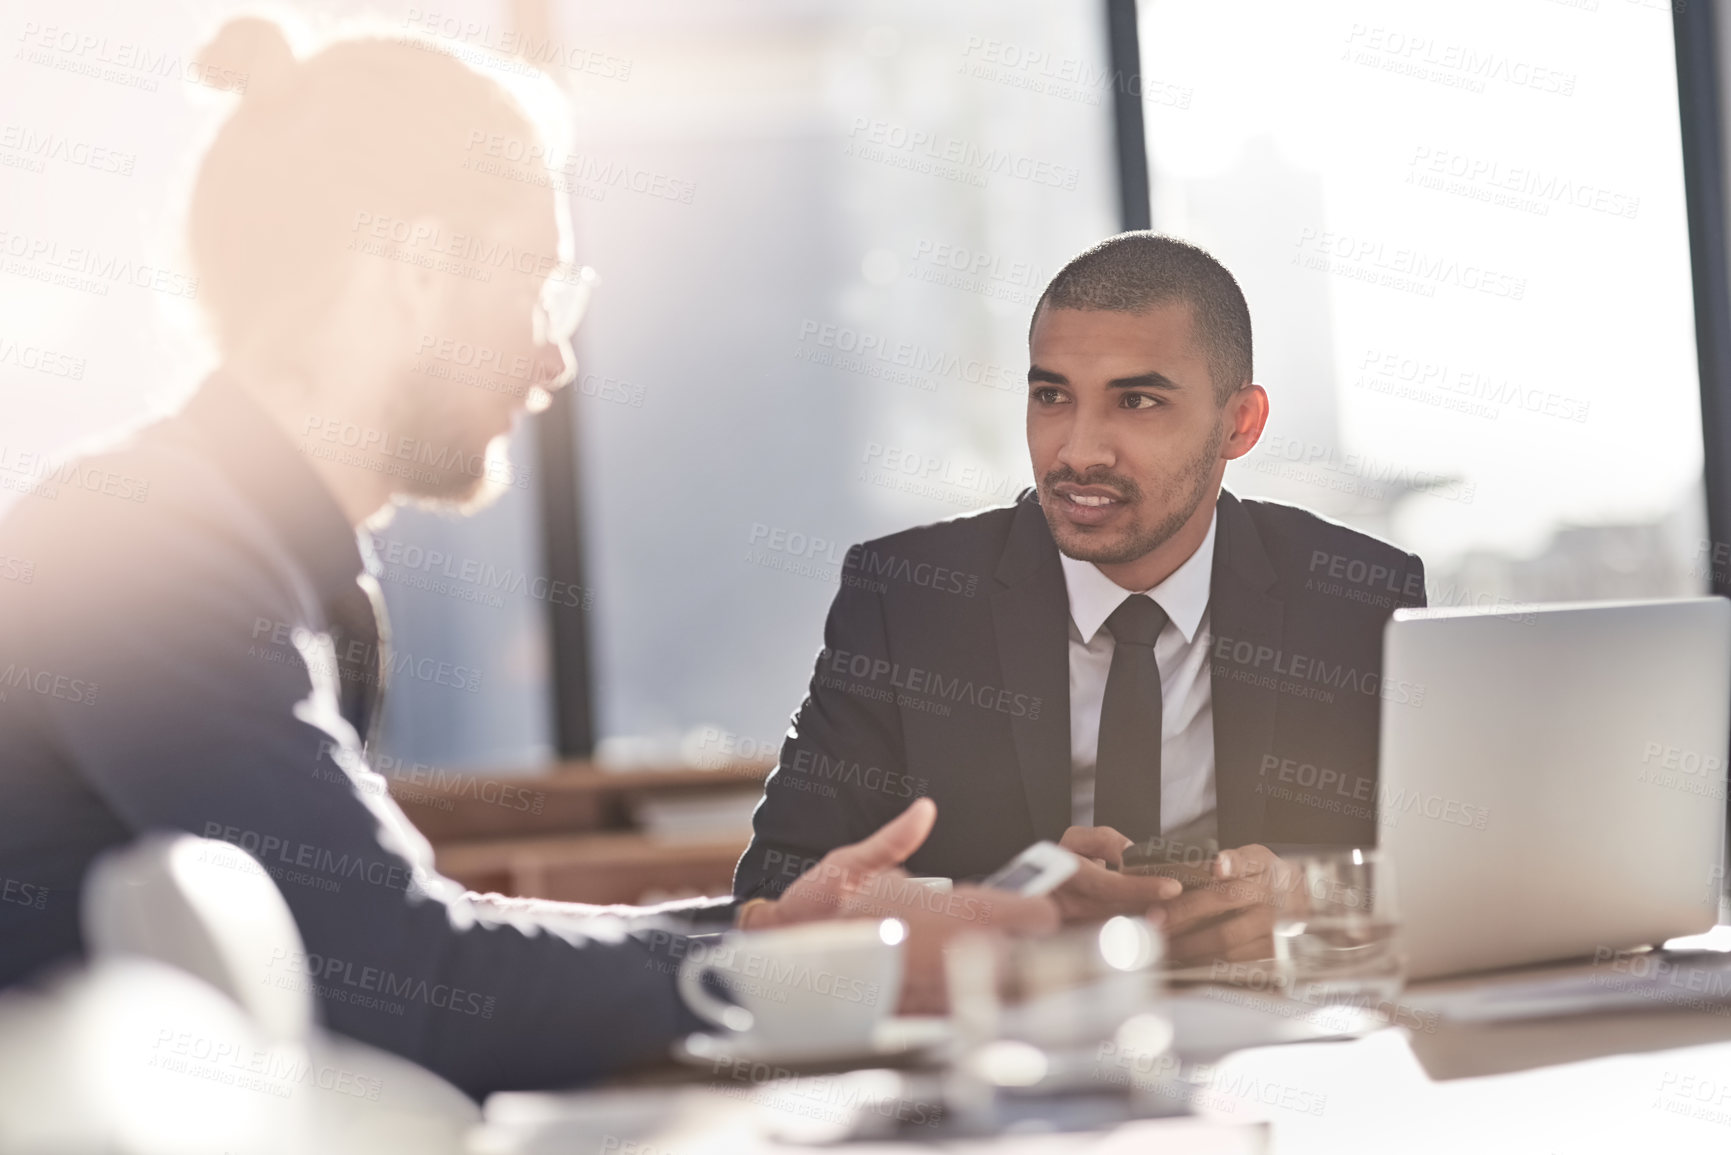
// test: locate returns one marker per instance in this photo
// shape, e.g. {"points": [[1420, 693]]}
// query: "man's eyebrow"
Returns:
{"points": [[1148, 380]]}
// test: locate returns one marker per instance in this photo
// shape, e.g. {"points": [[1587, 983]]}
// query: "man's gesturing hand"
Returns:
{"points": [[831, 889], [863, 880]]}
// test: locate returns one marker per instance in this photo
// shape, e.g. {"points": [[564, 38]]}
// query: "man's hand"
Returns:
{"points": [[1232, 918], [863, 880], [1095, 893], [829, 889]]}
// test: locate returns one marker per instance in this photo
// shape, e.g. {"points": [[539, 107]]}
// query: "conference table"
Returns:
{"points": [[1655, 1076]]}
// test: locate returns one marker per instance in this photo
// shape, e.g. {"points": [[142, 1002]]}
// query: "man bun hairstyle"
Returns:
{"points": [[373, 125], [248, 53], [1135, 271]]}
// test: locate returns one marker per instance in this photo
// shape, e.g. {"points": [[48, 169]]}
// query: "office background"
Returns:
{"points": [[1462, 230]]}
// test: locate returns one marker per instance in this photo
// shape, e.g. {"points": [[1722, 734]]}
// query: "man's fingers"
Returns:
{"points": [[1098, 842], [1095, 893], [1249, 861], [893, 842]]}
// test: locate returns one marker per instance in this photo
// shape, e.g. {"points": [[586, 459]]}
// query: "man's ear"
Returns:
{"points": [[419, 285], [1246, 417]]}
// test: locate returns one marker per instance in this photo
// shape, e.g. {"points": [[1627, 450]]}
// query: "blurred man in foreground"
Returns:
{"points": [[200, 647]]}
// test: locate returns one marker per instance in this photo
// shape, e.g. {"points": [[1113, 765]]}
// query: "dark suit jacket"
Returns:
{"points": [[945, 672], [151, 679]]}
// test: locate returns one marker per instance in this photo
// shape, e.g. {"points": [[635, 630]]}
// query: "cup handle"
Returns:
{"points": [[705, 1005]]}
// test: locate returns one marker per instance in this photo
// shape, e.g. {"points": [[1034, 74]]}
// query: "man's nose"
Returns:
{"points": [[1087, 446]]}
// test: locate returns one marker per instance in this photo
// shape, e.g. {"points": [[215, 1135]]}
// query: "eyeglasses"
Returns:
{"points": [[564, 299]]}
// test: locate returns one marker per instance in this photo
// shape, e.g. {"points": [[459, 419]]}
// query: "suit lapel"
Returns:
{"points": [[1030, 615], [1242, 610]]}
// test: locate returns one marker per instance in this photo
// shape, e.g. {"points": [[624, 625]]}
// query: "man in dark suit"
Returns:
{"points": [[1128, 652]]}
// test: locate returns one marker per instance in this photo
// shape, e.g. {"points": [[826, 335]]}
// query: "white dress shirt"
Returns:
{"points": [[1187, 706]]}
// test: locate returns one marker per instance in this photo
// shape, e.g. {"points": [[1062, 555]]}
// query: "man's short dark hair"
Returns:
{"points": [[1135, 271]]}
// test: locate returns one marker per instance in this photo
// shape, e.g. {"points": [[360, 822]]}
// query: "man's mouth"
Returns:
{"points": [[1089, 496], [1089, 505]]}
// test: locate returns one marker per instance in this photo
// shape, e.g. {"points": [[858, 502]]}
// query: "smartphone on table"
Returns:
{"points": [[1038, 870]]}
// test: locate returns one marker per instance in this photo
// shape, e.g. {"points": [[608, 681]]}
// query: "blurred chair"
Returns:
{"points": [[249, 1047]]}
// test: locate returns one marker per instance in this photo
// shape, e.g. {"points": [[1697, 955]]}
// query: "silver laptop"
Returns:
{"points": [[1553, 778]]}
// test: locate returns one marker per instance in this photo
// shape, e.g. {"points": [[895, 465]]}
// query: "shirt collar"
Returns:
{"points": [[1183, 595], [257, 455]]}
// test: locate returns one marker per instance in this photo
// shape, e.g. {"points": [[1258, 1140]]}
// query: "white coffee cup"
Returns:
{"points": [[817, 986]]}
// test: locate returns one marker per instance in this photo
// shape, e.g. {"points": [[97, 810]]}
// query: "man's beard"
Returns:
{"points": [[1193, 481], [448, 471]]}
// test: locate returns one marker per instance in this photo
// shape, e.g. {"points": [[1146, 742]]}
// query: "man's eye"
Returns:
{"points": [[1141, 401], [1047, 396]]}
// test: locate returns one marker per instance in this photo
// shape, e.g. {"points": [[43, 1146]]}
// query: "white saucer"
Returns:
{"points": [[895, 1038]]}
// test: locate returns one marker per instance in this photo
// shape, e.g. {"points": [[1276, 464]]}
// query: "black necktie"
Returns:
{"points": [[1127, 767], [360, 635]]}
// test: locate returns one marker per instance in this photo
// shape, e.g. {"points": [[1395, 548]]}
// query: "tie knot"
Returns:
{"points": [[1137, 622]]}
